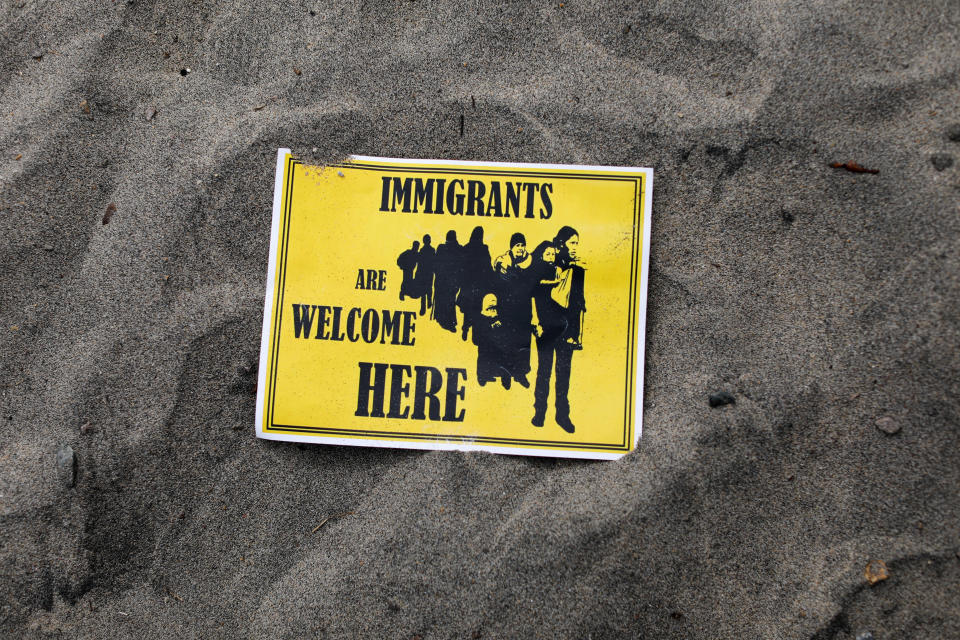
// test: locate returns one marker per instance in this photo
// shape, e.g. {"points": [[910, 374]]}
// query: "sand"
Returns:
{"points": [[823, 300]]}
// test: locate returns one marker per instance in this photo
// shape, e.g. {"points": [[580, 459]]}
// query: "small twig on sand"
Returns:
{"points": [[265, 102], [329, 518], [173, 595], [853, 167], [111, 209]]}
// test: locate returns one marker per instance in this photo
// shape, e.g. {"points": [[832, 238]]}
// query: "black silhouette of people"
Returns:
{"points": [[507, 303], [407, 261], [446, 286], [476, 282], [423, 279]]}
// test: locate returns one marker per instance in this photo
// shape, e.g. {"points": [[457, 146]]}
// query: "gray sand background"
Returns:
{"points": [[823, 300]]}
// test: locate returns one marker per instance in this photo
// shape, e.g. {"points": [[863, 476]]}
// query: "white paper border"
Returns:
{"points": [[640, 347], [282, 155]]}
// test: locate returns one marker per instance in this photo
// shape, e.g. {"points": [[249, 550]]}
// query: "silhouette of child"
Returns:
{"points": [[549, 258], [488, 335]]}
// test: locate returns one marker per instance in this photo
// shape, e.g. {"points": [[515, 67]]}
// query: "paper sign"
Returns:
{"points": [[437, 304]]}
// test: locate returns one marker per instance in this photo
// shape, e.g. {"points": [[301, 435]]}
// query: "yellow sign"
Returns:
{"points": [[437, 304]]}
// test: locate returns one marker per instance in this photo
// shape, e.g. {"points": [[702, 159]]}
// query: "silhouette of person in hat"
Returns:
{"points": [[513, 284]]}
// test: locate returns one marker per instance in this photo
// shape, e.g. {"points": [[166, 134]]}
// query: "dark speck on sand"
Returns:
{"points": [[721, 398], [941, 161]]}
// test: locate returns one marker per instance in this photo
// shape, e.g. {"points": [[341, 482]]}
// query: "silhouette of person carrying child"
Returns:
{"points": [[559, 306]]}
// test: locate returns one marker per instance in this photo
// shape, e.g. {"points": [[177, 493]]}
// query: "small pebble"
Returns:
{"points": [[48, 247], [721, 398], [67, 466], [888, 425], [864, 635], [953, 133], [941, 161], [876, 571], [149, 112], [37, 54]]}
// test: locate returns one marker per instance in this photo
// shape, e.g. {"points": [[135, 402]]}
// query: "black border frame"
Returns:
{"points": [[272, 427]]}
